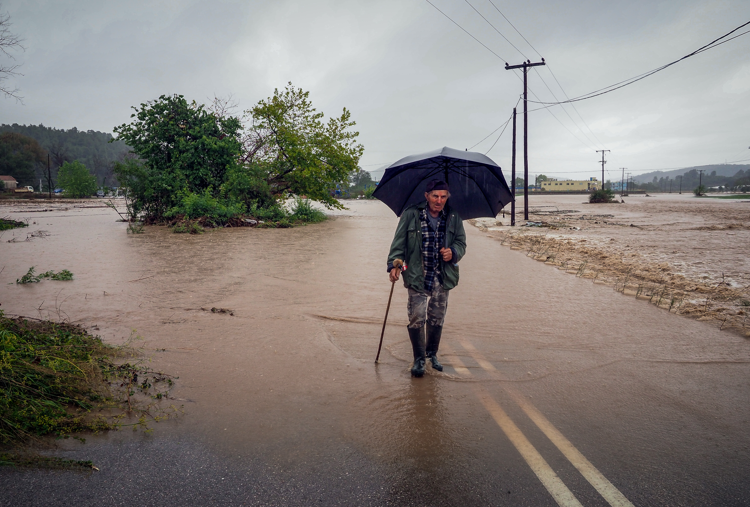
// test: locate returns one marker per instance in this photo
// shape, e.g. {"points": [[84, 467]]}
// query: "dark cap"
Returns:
{"points": [[436, 185]]}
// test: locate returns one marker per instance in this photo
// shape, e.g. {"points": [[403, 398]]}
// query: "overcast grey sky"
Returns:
{"points": [[412, 79]]}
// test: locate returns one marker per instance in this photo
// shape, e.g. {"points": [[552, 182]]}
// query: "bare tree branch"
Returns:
{"points": [[9, 42]]}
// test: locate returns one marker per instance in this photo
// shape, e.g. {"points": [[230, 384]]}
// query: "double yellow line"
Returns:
{"points": [[554, 485]]}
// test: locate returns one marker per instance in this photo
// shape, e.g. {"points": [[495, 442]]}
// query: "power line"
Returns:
{"points": [[553, 75], [572, 105], [516, 29], [467, 32], [498, 128], [538, 74], [493, 27], [501, 58], [501, 133], [622, 84]]}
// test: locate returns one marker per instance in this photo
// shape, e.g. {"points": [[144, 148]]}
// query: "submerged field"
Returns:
{"points": [[681, 253]]}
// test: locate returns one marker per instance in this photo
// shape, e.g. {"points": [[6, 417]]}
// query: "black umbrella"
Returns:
{"points": [[478, 188]]}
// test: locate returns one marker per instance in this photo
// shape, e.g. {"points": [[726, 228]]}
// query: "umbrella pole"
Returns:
{"points": [[396, 264]]}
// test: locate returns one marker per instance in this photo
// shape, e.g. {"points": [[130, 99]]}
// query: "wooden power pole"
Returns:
{"points": [[513, 174], [525, 66], [603, 162]]}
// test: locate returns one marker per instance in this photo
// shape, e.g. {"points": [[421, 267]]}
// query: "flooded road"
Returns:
{"points": [[556, 391]]}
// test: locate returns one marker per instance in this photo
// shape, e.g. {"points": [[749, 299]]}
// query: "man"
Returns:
{"points": [[430, 239]]}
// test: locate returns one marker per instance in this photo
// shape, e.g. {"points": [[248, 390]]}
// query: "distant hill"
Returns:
{"points": [[728, 170], [89, 147]]}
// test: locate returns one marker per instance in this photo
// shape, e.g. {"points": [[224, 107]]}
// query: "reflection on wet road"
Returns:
{"points": [[556, 391]]}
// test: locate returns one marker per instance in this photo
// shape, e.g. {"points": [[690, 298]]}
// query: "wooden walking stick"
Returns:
{"points": [[398, 263]]}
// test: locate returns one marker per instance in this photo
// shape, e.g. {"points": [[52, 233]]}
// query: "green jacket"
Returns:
{"points": [[407, 245]]}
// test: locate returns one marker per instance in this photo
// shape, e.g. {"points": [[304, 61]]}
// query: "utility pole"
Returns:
{"points": [[603, 162], [49, 179], [622, 182], [700, 180], [513, 175], [525, 66], [680, 184], [670, 186]]}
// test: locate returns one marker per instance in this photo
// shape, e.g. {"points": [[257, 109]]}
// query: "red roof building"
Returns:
{"points": [[10, 182]]}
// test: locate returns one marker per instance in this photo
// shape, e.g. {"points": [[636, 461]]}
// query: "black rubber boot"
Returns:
{"points": [[433, 343], [417, 344]]}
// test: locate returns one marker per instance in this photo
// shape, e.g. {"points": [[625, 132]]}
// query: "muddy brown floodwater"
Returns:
{"points": [[682, 253], [556, 391]]}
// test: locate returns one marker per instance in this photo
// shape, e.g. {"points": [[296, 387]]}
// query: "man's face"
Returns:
{"points": [[436, 200]]}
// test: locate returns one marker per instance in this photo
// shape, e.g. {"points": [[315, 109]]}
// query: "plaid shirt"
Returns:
{"points": [[432, 241]]}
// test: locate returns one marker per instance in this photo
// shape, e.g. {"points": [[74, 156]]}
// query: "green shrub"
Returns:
{"points": [[601, 196], [699, 190], [303, 211], [271, 213], [216, 211]]}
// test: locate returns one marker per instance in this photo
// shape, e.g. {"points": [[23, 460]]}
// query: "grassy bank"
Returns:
{"points": [[56, 380]]}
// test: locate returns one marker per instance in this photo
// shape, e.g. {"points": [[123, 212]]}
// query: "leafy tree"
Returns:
{"points": [[19, 156], [361, 181], [699, 190], [76, 180], [183, 149], [299, 152], [519, 182]]}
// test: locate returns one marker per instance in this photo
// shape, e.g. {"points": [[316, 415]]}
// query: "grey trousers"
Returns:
{"points": [[427, 307]]}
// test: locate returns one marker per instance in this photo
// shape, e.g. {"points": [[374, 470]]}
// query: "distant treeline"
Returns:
{"points": [[90, 147], [690, 180]]}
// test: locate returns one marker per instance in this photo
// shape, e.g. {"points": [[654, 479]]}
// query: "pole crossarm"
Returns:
{"points": [[524, 65]]}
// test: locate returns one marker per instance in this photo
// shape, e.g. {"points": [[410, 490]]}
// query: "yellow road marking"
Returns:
{"points": [[456, 362], [554, 485], [609, 492], [559, 491]]}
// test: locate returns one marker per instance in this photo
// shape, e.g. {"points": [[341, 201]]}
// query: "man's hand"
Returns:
{"points": [[446, 253], [394, 274]]}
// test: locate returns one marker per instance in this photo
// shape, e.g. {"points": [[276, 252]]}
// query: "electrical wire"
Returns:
{"points": [[540, 77], [501, 134], [493, 27], [549, 68], [498, 128], [491, 51], [516, 29], [467, 32], [627, 82]]}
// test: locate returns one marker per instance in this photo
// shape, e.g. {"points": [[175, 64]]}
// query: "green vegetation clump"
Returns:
{"points": [[699, 190], [30, 277], [204, 165], [303, 211], [7, 223], [734, 196], [57, 380], [601, 196]]}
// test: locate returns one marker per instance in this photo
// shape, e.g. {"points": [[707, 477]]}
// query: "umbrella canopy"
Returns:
{"points": [[478, 188]]}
